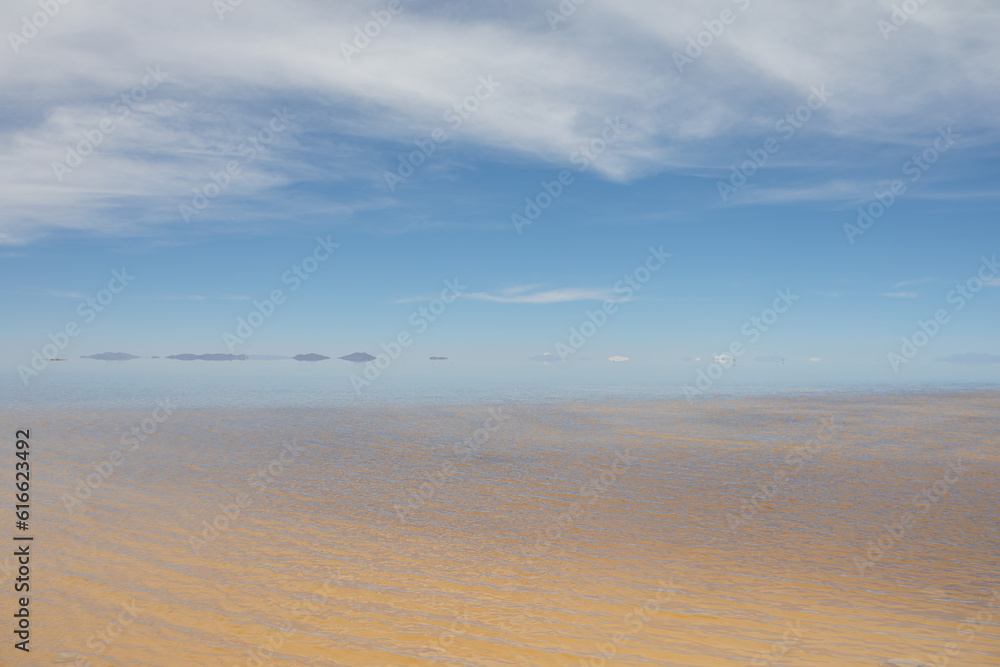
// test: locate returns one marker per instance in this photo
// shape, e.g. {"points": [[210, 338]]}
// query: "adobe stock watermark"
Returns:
{"points": [[566, 9], [751, 329], [263, 652], [312, 605], [106, 467], [635, 620], [790, 640], [230, 512], [446, 639], [797, 459], [915, 167], [223, 7], [470, 447], [926, 330], [88, 310], [419, 319], [454, 115], [966, 630], [697, 43], [899, 17], [787, 126], [924, 500], [583, 157], [248, 150], [560, 525], [101, 639], [363, 37], [107, 634], [627, 287], [30, 27], [263, 310], [94, 137]]}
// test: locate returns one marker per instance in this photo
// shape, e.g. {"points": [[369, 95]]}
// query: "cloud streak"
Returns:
{"points": [[549, 296]]}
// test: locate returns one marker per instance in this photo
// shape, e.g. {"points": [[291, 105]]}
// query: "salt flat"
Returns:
{"points": [[813, 529]]}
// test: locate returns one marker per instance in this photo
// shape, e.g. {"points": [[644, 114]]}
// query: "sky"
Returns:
{"points": [[814, 183]]}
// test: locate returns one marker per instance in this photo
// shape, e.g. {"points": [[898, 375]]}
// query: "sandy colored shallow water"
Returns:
{"points": [[818, 530]]}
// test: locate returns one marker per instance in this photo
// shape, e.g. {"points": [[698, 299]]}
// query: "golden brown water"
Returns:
{"points": [[820, 530]]}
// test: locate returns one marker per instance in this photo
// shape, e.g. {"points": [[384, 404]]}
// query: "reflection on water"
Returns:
{"points": [[733, 531]]}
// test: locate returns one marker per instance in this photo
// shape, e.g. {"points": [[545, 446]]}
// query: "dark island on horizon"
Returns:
{"points": [[358, 357], [312, 356], [111, 356]]}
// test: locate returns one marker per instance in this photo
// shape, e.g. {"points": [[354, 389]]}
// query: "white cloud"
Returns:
{"points": [[526, 294], [548, 296], [519, 289], [556, 91], [900, 295], [836, 190], [62, 294]]}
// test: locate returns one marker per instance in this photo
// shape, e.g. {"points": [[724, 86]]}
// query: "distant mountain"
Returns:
{"points": [[209, 357], [267, 357], [312, 356], [358, 357], [111, 356], [439, 358]]}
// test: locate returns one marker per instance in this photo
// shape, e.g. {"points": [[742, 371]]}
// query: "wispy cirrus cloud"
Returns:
{"points": [[204, 297], [520, 289], [835, 190], [60, 294], [557, 88], [529, 294], [522, 295]]}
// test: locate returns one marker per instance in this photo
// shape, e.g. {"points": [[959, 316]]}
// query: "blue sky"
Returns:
{"points": [[499, 104]]}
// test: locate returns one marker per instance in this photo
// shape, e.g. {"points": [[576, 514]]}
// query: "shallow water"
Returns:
{"points": [[654, 532]]}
